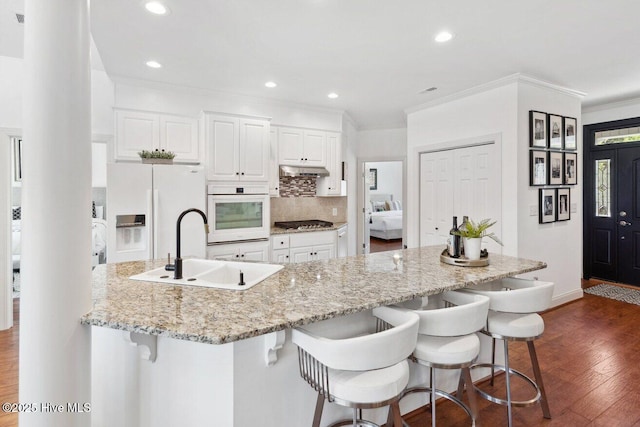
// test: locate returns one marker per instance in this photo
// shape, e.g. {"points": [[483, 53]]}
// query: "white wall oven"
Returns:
{"points": [[238, 212]]}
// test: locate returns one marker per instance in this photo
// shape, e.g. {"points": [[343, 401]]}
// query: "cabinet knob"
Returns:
{"points": [[242, 173], [282, 243], [237, 255], [237, 173]]}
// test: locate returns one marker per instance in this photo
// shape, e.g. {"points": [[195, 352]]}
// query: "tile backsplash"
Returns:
{"points": [[303, 208], [298, 186]]}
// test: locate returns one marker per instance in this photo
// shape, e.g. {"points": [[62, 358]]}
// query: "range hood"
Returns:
{"points": [[303, 171]]}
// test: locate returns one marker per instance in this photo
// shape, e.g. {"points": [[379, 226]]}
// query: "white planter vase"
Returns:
{"points": [[472, 248]]}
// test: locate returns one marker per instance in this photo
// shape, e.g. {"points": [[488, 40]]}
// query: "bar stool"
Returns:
{"points": [[362, 372], [447, 340], [512, 317]]}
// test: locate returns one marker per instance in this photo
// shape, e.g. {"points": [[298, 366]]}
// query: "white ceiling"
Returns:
{"points": [[376, 54]]}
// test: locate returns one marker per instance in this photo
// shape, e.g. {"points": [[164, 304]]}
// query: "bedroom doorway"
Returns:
{"points": [[383, 197]]}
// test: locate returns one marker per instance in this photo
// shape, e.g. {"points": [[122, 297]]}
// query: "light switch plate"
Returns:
{"points": [[335, 212], [574, 207], [533, 210]]}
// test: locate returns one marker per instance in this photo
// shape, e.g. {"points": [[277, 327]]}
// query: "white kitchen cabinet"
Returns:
{"points": [[237, 148], [302, 247], [332, 185], [245, 251], [274, 167], [180, 135], [280, 256], [143, 130], [302, 147]]}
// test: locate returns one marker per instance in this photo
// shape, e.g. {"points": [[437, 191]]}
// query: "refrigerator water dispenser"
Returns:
{"points": [[131, 232]]}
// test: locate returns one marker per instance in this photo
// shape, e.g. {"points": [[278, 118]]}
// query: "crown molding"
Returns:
{"points": [[504, 81]]}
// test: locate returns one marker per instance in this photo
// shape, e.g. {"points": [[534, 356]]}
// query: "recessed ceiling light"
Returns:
{"points": [[333, 95], [443, 36], [156, 7], [154, 64], [271, 84]]}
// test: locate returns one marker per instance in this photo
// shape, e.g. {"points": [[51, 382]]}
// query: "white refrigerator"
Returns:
{"points": [[143, 205]]}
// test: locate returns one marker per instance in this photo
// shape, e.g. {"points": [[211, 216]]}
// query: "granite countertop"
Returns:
{"points": [[278, 230], [299, 294]]}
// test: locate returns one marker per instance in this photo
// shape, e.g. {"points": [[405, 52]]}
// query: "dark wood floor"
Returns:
{"points": [[589, 356], [380, 245], [590, 360]]}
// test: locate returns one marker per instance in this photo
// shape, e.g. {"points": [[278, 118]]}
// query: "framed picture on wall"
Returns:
{"points": [[570, 131], [537, 129], [570, 168], [538, 167], [555, 131], [563, 197], [373, 179], [555, 168], [547, 205]]}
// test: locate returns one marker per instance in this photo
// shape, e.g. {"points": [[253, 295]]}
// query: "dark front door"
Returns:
{"points": [[612, 206], [627, 215]]}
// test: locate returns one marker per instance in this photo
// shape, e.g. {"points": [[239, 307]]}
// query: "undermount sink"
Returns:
{"points": [[213, 274]]}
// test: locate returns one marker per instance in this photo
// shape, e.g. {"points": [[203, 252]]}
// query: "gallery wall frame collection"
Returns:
{"points": [[553, 161]]}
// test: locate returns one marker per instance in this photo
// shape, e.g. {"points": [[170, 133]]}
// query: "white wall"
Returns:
{"points": [[389, 178], [610, 112], [349, 148], [381, 144], [11, 76], [503, 109], [190, 102], [491, 112], [559, 244]]}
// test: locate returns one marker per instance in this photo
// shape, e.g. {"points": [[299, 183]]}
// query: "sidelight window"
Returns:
{"points": [[603, 187]]}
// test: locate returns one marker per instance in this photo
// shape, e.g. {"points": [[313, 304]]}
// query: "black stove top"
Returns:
{"points": [[310, 224]]}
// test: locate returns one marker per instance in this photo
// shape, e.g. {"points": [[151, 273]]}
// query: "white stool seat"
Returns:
{"points": [[447, 340], [515, 325], [373, 386], [512, 317], [447, 350], [366, 371]]}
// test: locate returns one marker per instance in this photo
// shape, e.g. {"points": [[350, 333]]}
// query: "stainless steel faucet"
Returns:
{"points": [[177, 266]]}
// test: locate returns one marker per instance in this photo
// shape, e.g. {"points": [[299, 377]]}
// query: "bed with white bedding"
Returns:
{"points": [[98, 239], [385, 217]]}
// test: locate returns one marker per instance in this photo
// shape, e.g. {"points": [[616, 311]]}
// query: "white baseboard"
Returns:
{"points": [[566, 297]]}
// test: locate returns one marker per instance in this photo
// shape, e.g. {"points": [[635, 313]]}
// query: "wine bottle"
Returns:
{"points": [[453, 246], [463, 226]]}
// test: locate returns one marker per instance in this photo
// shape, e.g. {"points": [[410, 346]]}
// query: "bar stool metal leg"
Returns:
{"points": [[507, 376], [544, 404]]}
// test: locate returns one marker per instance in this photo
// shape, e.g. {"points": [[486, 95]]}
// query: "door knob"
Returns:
{"points": [[623, 214], [624, 223]]}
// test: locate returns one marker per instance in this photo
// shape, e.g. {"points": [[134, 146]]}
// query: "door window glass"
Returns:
{"points": [[603, 187], [617, 136]]}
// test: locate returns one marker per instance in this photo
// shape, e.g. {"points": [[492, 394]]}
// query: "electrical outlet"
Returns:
{"points": [[533, 210], [335, 212]]}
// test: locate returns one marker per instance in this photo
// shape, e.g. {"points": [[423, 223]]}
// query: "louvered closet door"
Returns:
{"points": [[463, 181]]}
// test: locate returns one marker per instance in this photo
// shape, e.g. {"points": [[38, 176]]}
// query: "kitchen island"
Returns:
{"points": [[223, 355]]}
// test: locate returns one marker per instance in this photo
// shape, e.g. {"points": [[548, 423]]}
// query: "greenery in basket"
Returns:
{"points": [[156, 154], [472, 230]]}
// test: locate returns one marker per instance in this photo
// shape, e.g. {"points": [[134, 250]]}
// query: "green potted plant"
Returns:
{"points": [[472, 234], [157, 156]]}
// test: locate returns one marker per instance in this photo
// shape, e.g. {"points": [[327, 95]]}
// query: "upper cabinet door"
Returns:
{"points": [[135, 131], [223, 142], [254, 150], [180, 135], [290, 147], [314, 148]]}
